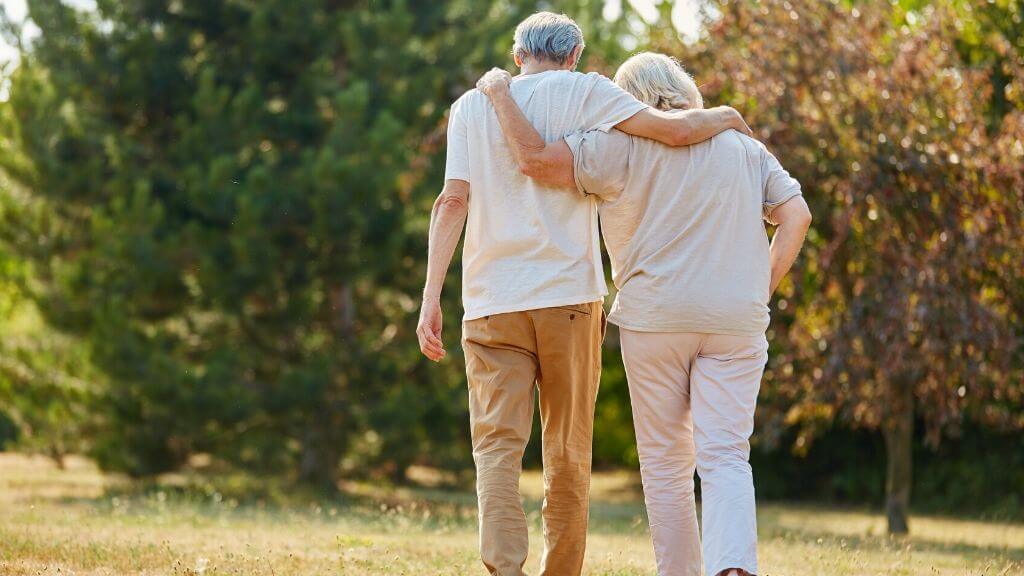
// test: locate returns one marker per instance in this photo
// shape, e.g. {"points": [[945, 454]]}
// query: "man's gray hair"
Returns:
{"points": [[547, 36]]}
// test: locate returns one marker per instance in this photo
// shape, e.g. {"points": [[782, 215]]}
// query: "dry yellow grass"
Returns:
{"points": [[81, 522]]}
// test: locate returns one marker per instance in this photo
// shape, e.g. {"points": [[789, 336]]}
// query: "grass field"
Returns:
{"points": [[80, 522]]}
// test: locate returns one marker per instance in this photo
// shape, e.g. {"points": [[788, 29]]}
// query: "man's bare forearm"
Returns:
{"points": [[683, 127], [700, 125], [447, 219]]}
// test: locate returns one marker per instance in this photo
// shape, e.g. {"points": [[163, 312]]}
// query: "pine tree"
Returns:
{"points": [[230, 203]]}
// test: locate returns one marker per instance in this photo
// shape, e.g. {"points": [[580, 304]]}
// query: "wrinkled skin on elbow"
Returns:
{"points": [[682, 135], [453, 199], [793, 214], [805, 217]]}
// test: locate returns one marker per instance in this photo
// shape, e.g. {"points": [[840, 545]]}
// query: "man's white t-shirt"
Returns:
{"points": [[529, 246]]}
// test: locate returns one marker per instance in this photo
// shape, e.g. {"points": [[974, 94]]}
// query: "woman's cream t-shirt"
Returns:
{"points": [[684, 228]]}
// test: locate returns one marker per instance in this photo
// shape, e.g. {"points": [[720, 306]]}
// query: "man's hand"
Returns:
{"points": [[428, 331], [737, 121], [494, 81], [447, 219]]}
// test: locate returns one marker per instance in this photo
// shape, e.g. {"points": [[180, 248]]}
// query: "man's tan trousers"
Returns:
{"points": [[558, 352]]}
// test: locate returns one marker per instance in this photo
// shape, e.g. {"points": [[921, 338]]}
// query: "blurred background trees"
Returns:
{"points": [[909, 293], [213, 220]]}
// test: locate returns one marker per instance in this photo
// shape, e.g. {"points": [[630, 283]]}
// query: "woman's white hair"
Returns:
{"points": [[547, 36], [659, 81]]}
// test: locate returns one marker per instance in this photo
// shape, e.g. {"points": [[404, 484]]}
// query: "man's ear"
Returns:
{"points": [[574, 58], [517, 60]]}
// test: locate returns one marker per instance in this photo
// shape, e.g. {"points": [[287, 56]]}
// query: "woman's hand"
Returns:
{"points": [[493, 82]]}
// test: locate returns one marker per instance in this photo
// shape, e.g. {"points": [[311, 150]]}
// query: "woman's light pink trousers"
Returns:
{"points": [[693, 398]]}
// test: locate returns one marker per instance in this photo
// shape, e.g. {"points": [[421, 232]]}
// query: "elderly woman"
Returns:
{"points": [[694, 271]]}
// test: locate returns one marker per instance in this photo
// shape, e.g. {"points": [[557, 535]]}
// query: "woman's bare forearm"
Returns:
{"points": [[785, 247], [793, 219], [522, 137]]}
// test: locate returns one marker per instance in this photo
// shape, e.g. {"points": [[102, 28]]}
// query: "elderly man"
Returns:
{"points": [[694, 269], [533, 288]]}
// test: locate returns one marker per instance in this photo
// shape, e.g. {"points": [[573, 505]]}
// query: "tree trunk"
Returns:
{"points": [[400, 473], [899, 448], [323, 441], [318, 466], [57, 455], [343, 311]]}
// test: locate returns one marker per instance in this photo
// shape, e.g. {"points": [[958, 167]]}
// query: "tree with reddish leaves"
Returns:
{"points": [[906, 306]]}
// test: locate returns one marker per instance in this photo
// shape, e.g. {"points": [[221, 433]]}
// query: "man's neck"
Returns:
{"points": [[534, 67]]}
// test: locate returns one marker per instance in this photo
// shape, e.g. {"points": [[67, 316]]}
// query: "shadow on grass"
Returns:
{"points": [[369, 507], [241, 497], [769, 527]]}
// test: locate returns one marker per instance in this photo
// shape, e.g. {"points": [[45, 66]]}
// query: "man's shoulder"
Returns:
{"points": [[469, 99], [562, 78], [586, 78], [595, 76]]}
